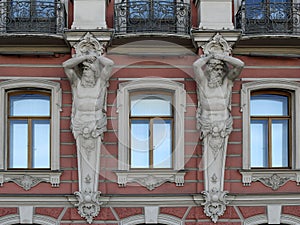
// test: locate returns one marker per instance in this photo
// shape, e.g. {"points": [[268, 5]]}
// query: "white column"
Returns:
{"points": [[89, 14], [215, 14]]}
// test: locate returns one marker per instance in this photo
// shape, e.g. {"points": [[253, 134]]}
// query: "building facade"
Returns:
{"points": [[149, 112]]}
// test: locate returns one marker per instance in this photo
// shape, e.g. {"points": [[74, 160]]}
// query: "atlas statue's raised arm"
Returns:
{"points": [[71, 66], [198, 70], [107, 65], [234, 62]]}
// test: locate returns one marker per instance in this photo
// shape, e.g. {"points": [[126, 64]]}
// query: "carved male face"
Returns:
{"points": [[216, 70], [88, 75]]}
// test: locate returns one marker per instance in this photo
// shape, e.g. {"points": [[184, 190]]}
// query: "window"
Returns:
{"points": [[270, 129], [271, 111], [29, 131], [270, 15], [151, 125], [152, 153]]}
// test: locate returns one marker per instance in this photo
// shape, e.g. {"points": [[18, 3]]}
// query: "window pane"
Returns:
{"points": [[45, 9], [138, 9], [163, 9], [259, 143], [255, 9], [29, 105], [162, 144], [151, 105], [280, 143], [269, 105], [140, 143], [20, 9], [41, 144], [18, 144], [279, 9]]}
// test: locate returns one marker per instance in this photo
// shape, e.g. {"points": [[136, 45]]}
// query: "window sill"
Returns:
{"points": [[150, 178], [273, 178], [29, 179]]}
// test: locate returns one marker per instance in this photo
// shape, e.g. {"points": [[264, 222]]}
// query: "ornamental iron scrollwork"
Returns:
{"points": [[269, 18], [152, 16], [32, 16]]}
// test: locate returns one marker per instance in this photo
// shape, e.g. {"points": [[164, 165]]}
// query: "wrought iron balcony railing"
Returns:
{"points": [[32, 16], [269, 18], [152, 16]]}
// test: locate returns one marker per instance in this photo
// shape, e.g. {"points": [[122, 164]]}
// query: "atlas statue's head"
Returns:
{"points": [[216, 70]]}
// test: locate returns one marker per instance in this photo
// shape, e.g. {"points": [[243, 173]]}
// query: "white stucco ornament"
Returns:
{"points": [[215, 72], [88, 72]]}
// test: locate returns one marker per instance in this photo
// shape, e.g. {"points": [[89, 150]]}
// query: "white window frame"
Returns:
{"points": [[150, 178], [268, 176], [32, 177]]}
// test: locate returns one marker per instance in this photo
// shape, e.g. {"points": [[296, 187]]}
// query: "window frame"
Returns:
{"points": [[155, 177], [35, 176], [269, 120], [265, 175]]}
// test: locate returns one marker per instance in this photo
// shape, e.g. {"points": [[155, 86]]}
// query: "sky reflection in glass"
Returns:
{"points": [[29, 105]]}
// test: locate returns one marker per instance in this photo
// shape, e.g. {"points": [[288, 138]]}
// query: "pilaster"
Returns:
{"points": [[215, 14], [89, 15]]}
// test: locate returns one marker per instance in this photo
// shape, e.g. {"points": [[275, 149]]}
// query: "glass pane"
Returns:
{"points": [[138, 9], [151, 105], [279, 9], [30, 105], [163, 9], [269, 105], [259, 143], [162, 144], [18, 144], [140, 143], [255, 9], [45, 9], [41, 144], [280, 143], [20, 9]]}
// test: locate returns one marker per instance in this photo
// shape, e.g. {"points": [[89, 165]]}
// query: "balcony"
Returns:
{"points": [[32, 16], [269, 18], [154, 16]]}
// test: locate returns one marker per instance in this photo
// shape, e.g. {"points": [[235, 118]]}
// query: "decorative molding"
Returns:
{"points": [[215, 203], [88, 204], [217, 44], [150, 179], [89, 45], [273, 179], [28, 180], [202, 37], [103, 36]]}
